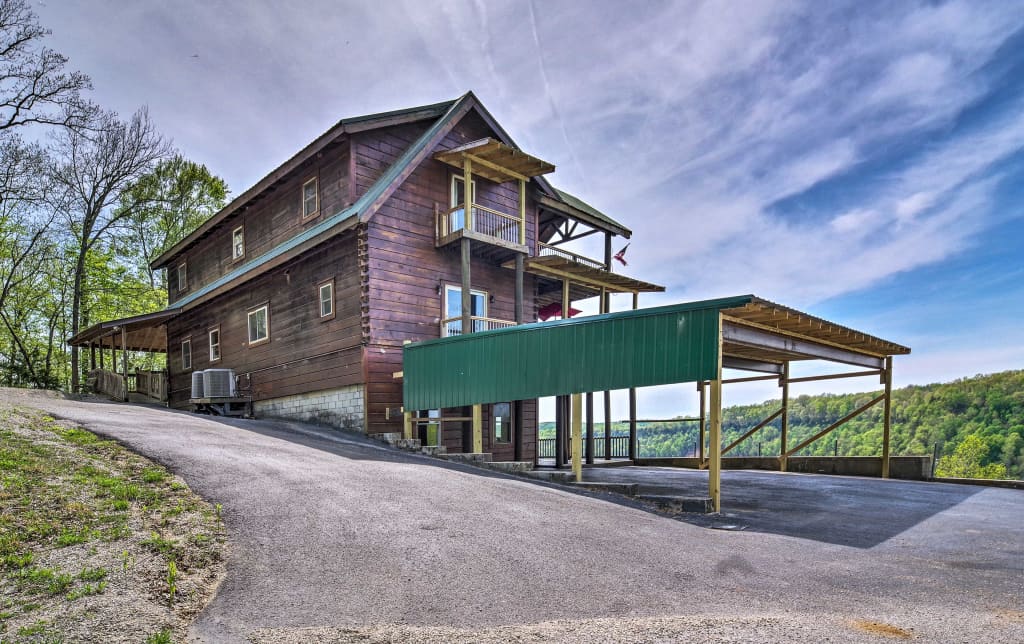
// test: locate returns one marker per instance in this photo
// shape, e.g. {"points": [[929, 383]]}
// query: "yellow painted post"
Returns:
{"points": [[478, 429], [784, 426], [407, 425], [703, 421], [577, 436], [715, 438], [522, 211], [886, 417]]}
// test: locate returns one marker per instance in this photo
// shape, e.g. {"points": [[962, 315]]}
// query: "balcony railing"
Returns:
{"points": [[546, 250], [453, 326], [620, 447], [487, 222]]}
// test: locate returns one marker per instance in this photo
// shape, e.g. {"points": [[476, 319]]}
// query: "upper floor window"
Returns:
{"points": [[310, 198], [186, 353], [215, 344], [326, 297], [259, 325], [238, 243], [182, 277]]}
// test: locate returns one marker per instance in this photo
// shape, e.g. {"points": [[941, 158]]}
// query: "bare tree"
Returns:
{"points": [[95, 168], [34, 85]]}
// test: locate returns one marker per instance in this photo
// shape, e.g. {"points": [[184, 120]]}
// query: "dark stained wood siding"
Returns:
{"points": [[305, 353], [407, 273], [269, 220]]}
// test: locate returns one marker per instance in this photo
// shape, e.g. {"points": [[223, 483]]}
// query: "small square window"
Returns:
{"points": [[186, 353], [326, 291], [215, 344], [259, 325], [238, 243], [310, 198], [182, 277]]}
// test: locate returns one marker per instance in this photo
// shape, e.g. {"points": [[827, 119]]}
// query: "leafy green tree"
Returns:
{"points": [[167, 204], [966, 461]]}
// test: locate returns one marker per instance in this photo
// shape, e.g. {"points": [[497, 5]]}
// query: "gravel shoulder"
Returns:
{"points": [[336, 538]]}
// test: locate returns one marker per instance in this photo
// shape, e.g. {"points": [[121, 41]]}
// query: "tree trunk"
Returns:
{"points": [[76, 306]]}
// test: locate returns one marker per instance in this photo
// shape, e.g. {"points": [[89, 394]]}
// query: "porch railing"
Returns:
{"points": [[546, 250], [108, 383], [151, 383], [485, 221], [453, 326], [620, 447]]}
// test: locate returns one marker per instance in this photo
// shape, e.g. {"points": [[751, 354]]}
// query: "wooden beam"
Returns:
{"points": [[743, 333], [886, 417], [853, 414], [506, 172], [632, 402], [407, 421], [522, 211], [703, 419], [577, 438], [834, 376], [519, 289], [745, 364], [751, 432], [467, 294], [607, 425]]}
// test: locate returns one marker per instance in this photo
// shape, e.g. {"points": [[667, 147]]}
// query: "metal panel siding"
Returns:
{"points": [[614, 351]]}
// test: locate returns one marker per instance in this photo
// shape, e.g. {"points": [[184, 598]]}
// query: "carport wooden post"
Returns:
{"points": [[577, 436], [703, 420], [886, 416], [478, 429], [784, 423], [590, 428], [715, 439], [407, 424]]}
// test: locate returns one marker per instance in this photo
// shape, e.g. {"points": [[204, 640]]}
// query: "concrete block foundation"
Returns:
{"points": [[343, 408]]}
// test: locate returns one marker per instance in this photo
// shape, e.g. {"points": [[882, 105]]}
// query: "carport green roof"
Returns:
{"points": [[645, 347]]}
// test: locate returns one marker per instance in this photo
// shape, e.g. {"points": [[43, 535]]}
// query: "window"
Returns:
{"points": [[456, 219], [310, 199], [182, 277], [453, 310], [186, 353], [238, 243], [215, 344], [259, 325], [326, 297], [501, 418]]}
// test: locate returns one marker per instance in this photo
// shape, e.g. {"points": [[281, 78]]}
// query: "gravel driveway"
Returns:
{"points": [[333, 537]]}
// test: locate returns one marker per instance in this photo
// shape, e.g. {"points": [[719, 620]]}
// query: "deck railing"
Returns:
{"points": [[485, 221], [151, 383], [107, 383], [620, 447], [544, 249], [453, 326]]}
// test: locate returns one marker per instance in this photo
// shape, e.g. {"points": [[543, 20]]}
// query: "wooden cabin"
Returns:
{"points": [[308, 284]]}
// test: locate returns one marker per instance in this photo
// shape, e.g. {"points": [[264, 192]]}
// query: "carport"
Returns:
{"points": [[690, 342]]}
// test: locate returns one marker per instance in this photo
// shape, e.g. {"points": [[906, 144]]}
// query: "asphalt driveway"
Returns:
{"points": [[329, 530]]}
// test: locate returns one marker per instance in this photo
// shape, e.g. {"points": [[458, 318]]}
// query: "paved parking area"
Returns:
{"points": [[331, 531]]}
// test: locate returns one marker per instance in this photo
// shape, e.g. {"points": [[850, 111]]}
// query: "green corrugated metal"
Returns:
{"points": [[641, 348]]}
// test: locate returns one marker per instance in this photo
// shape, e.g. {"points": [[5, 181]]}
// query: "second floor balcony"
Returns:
{"points": [[483, 224]]}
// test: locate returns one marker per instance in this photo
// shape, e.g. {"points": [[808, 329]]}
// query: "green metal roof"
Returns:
{"points": [[641, 348], [579, 204]]}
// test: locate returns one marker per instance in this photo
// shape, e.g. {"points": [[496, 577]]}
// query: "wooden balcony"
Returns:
{"points": [[453, 326], [545, 250], [484, 225]]}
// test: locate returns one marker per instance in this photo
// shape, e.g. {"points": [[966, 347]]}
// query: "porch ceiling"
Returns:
{"points": [[141, 333], [496, 161], [562, 268]]}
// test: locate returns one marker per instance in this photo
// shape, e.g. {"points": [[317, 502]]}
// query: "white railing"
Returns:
{"points": [[486, 221], [453, 326], [544, 249]]}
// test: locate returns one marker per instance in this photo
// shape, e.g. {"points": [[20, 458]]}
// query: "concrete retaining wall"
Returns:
{"points": [[916, 468], [343, 408]]}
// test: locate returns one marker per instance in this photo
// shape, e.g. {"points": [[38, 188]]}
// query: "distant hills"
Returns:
{"points": [[988, 407]]}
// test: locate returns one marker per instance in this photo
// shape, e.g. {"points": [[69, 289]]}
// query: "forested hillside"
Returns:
{"points": [[990, 408]]}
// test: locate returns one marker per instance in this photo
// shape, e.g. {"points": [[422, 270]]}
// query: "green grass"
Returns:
{"points": [[160, 637]]}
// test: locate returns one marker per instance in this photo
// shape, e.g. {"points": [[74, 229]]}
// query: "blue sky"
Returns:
{"points": [[861, 161]]}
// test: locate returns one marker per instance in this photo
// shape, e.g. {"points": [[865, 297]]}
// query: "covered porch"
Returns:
{"points": [[681, 343], [109, 344]]}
